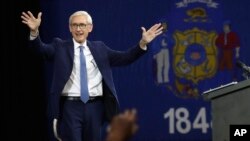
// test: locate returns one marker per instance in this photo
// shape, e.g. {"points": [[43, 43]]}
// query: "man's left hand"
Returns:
{"points": [[150, 34]]}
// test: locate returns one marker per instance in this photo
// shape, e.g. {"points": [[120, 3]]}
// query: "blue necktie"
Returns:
{"points": [[83, 77]]}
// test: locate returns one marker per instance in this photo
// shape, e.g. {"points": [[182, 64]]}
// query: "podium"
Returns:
{"points": [[230, 105]]}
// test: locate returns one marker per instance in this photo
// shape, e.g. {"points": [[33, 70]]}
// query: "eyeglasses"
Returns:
{"points": [[81, 26]]}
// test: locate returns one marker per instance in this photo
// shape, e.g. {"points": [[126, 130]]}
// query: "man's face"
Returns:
{"points": [[80, 28]]}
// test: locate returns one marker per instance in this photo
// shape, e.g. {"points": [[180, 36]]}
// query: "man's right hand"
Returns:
{"points": [[32, 22]]}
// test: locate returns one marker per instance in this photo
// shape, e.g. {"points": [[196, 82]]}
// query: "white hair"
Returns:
{"points": [[81, 13]]}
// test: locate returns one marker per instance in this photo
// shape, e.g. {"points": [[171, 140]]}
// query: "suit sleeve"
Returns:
{"points": [[47, 51], [122, 58]]}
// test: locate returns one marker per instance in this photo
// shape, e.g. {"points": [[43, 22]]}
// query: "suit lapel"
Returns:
{"points": [[94, 54], [70, 47]]}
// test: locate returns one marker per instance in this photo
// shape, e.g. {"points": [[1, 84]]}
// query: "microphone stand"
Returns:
{"points": [[246, 74]]}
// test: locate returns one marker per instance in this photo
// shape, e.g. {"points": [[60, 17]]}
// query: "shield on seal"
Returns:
{"points": [[194, 54]]}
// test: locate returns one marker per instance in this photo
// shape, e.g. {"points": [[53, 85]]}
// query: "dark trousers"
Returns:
{"points": [[80, 121]]}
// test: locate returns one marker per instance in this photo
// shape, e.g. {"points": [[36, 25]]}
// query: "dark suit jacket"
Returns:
{"points": [[61, 52]]}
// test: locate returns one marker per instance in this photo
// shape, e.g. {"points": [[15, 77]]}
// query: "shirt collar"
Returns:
{"points": [[76, 44]]}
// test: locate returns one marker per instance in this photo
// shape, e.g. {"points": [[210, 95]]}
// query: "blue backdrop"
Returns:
{"points": [[166, 95]]}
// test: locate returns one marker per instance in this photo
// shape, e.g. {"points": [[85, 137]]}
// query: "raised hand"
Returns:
{"points": [[123, 126], [150, 34], [32, 22]]}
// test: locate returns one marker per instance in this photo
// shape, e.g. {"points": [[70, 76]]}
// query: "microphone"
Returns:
{"points": [[164, 26], [243, 66]]}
